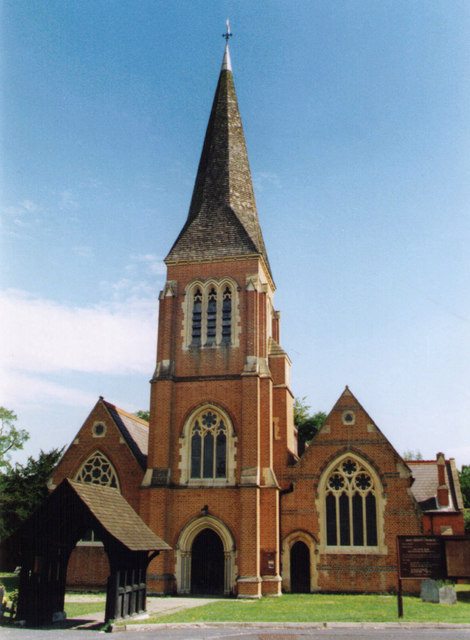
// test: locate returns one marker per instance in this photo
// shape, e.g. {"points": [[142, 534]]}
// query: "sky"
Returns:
{"points": [[356, 122]]}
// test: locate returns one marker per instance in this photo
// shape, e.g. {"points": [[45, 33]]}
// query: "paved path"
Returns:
{"points": [[155, 606]]}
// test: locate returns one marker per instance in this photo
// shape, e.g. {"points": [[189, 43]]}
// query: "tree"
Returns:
{"points": [[144, 415], [464, 478], [23, 488], [466, 521], [11, 438], [409, 454], [307, 424]]}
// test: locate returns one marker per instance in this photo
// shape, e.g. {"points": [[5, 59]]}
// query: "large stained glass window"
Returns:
{"points": [[351, 511]]}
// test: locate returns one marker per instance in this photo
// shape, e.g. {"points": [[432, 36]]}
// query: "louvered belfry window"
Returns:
{"points": [[211, 312], [351, 511], [197, 317], [227, 315], [208, 446], [211, 316]]}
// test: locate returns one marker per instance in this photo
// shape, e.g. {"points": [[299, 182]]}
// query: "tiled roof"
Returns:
{"points": [[116, 515], [222, 220], [134, 430], [425, 485]]}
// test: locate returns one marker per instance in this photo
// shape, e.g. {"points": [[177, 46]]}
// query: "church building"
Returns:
{"points": [[216, 472]]}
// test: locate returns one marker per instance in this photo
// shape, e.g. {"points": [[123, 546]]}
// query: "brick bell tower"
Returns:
{"points": [[221, 415]]}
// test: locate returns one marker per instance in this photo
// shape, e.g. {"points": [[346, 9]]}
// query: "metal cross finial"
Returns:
{"points": [[228, 34]]}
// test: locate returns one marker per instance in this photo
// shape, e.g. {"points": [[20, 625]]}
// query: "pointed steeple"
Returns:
{"points": [[222, 220]]}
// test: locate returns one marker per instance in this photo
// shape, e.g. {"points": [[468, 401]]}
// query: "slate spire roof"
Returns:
{"points": [[222, 220]]}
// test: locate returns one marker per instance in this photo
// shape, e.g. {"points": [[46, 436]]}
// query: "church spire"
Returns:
{"points": [[222, 220]]}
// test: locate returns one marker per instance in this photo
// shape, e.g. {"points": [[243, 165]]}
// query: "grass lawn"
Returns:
{"points": [[74, 609], [321, 608]]}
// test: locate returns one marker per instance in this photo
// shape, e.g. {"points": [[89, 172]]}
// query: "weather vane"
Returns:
{"points": [[229, 34]]}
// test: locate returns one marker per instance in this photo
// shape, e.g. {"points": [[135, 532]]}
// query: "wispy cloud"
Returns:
{"points": [[41, 392], [45, 336], [68, 200], [22, 214], [130, 292], [143, 276], [84, 252], [153, 263], [266, 179]]}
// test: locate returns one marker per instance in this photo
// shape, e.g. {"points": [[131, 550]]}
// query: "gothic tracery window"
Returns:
{"points": [[97, 469], [208, 434], [351, 509]]}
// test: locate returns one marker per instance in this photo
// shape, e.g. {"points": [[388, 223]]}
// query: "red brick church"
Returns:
{"points": [[216, 471]]}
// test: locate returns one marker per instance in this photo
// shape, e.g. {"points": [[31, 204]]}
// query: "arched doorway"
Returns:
{"points": [[207, 563], [300, 568], [298, 563], [205, 557]]}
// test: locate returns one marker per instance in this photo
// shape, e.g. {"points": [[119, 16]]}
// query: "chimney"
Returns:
{"points": [[442, 488]]}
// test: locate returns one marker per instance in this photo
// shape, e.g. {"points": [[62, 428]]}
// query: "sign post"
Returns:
{"points": [[434, 557]]}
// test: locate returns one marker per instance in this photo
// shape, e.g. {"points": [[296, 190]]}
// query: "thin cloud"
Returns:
{"points": [[266, 179], [131, 292], [41, 392], [42, 336], [152, 262], [21, 214], [68, 200], [84, 252]]}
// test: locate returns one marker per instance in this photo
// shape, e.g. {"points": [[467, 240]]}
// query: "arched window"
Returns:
{"points": [[196, 317], [97, 469], [350, 505], [227, 315], [210, 314], [208, 446]]}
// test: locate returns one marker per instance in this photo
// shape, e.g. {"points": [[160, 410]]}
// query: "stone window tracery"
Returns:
{"points": [[208, 448], [351, 506], [97, 469]]}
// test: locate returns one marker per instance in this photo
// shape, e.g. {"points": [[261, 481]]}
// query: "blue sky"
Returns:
{"points": [[356, 120]]}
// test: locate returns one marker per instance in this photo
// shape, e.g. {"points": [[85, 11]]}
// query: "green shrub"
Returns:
{"points": [[466, 519]]}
